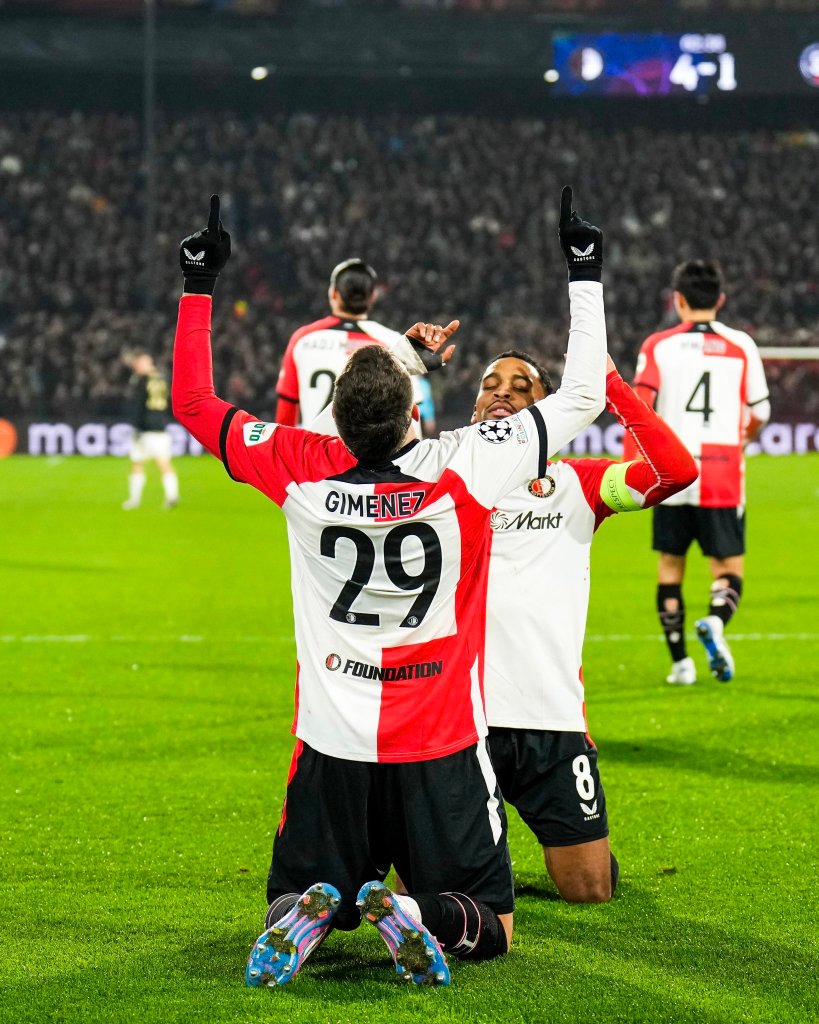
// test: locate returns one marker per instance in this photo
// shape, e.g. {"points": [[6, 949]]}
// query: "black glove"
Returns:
{"points": [[203, 255], [431, 360], [581, 242]]}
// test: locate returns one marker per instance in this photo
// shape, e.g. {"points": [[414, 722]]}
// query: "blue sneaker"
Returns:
{"points": [[709, 631], [278, 953], [418, 957]]}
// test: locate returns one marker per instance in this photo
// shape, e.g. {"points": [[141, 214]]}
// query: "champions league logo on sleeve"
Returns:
{"points": [[495, 431]]}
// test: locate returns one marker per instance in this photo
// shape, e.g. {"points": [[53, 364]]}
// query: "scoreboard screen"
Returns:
{"points": [[643, 64], [741, 61]]}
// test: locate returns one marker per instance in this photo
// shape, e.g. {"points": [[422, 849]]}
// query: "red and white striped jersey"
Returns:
{"points": [[315, 356], [389, 565], [706, 376]]}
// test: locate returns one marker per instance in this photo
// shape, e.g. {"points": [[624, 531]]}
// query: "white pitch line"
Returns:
{"points": [[185, 638]]}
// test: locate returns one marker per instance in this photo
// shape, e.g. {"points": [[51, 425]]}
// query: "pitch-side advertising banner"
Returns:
{"points": [[94, 439]]}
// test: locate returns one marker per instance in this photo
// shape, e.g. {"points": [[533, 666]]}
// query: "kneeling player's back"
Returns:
{"points": [[389, 571]]}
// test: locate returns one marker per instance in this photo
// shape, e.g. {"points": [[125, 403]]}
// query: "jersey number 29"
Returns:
{"points": [[428, 579]]}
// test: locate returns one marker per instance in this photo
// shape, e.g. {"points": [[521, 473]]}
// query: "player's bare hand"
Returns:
{"points": [[434, 338]]}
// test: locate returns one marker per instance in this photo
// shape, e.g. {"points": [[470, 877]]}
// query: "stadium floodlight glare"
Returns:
{"points": [[551, 76], [259, 73]]}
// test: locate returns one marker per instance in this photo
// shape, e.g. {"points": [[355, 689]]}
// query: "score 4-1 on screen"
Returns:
{"points": [[642, 64]]}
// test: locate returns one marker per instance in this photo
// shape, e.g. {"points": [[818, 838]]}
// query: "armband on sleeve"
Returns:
{"points": [[616, 493]]}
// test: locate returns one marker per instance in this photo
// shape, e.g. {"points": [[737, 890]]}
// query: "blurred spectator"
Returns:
{"points": [[459, 214]]}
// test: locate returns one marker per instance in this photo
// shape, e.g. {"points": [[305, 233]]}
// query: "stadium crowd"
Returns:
{"points": [[456, 213]]}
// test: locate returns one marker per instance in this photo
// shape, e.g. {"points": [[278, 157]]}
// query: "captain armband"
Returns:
{"points": [[616, 493]]}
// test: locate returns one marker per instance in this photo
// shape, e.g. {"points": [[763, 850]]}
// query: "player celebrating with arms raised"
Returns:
{"points": [[707, 382], [544, 758], [389, 542]]}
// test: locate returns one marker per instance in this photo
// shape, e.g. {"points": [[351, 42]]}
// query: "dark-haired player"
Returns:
{"points": [[318, 352], [389, 544], [707, 382], [544, 758]]}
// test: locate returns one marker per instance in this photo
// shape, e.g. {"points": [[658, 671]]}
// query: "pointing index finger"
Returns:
{"points": [[213, 219], [566, 204]]}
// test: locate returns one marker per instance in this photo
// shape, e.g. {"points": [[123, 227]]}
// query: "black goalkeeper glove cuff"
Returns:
{"points": [[203, 254], [581, 242]]}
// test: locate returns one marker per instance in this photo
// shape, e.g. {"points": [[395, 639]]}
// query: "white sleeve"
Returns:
{"points": [[496, 456], [581, 396], [324, 423], [757, 386], [397, 343]]}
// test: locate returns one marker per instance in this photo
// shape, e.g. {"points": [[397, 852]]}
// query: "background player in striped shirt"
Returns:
{"points": [[318, 352], [707, 382], [389, 541]]}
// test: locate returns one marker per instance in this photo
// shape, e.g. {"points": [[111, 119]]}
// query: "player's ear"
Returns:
{"points": [[474, 414], [721, 300]]}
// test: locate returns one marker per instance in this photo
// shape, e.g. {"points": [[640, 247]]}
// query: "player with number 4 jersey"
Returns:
{"points": [[389, 542], [707, 382]]}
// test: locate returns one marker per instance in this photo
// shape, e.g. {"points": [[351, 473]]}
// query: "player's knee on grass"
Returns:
{"points": [[466, 928], [592, 883]]}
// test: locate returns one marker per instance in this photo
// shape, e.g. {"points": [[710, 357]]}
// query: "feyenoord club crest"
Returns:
{"points": [[333, 662], [544, 487], [495, 431]]}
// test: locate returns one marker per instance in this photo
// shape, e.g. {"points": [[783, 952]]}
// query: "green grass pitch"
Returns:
{"points": [[146, 667]]}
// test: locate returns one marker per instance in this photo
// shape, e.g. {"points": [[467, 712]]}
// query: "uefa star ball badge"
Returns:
{"points": [[543, 487], [495, 431]]}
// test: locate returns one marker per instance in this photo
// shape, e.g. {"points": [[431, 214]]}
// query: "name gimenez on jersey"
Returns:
{"points": [[419, 670], [397, 505]]}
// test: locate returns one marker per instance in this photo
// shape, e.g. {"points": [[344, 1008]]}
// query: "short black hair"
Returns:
{"points": [[700, 282], [372, 405], [355, 281], [514, 353]]}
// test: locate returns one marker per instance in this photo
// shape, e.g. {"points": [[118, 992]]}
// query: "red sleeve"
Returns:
{"points": [[287, 386], [287, 412], [664, 465], [269, 456], [264, 455], [195, 404], [590, 474], [647, 374]]}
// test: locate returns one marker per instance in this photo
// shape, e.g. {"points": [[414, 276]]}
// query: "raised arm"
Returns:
{"points": [[581, 396], [202, 256], [664, 465]]}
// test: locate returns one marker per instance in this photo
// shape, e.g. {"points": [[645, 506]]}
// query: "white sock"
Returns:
{"points": [[136, 484], [170, 484], [409, 906]]}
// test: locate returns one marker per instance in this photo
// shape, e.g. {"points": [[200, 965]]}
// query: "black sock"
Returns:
{"points": [[279, 907], [725, 594], [672, 620], [465, 927]]}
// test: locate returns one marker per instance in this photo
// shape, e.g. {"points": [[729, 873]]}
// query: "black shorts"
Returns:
{"points": [[551, 779], [440, 823], [720, 532]]}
